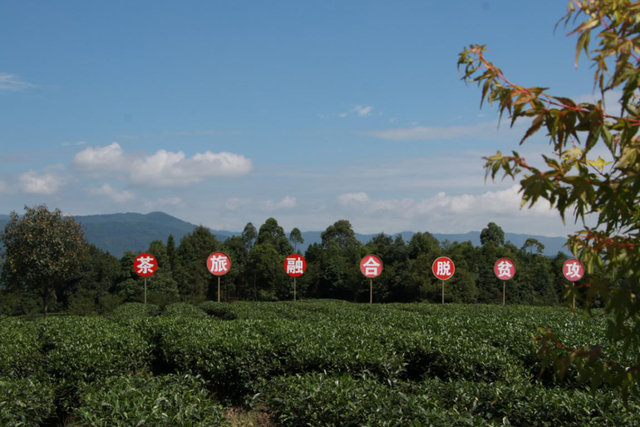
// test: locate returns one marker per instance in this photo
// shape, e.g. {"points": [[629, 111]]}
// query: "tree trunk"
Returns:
{"points": [[45, 303]]}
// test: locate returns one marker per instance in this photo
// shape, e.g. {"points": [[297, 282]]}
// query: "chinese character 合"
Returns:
{"points": [[371, 267]]}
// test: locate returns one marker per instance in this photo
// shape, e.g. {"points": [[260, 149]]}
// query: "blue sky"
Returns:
{"points": [[222, 113]]}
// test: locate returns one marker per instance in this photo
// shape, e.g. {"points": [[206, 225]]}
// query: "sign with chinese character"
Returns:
{"points": [[573, 270], [371, 266], [218, 263], [295, 265], [443, 268], [504, 269], [145, 265]]}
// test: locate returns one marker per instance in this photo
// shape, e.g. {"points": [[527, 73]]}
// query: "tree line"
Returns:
{"points": [[99, 282]]}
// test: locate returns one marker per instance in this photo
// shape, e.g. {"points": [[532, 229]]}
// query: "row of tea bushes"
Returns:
{"points": [[167, 401], [319, 400], [25, 402], [406, 352]]}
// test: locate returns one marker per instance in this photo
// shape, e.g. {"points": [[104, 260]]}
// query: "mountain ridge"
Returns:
{"points": [[119, 232]]}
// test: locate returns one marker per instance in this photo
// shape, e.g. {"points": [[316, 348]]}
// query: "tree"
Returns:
{"points": [[341, 233], [492, 235], [532, 244], [171, 253], [249, 235], [271, 232], [296, 237], [194, 280], [43, 251], [604, 190]]}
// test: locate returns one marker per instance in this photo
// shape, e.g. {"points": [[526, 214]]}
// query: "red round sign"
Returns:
{"points": [[371, 266], [218, 263], [295, 265], [145, 265], [573, 270], [443, 268], [504, 269]]}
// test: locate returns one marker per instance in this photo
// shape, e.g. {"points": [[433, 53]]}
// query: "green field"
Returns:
{"points": [[311, 363]]}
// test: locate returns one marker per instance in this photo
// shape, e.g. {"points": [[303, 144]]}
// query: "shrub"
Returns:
{"points": [[169, 400], [182, 309], [20, 352], [217, 310], [86, 349], [24, 402], [132, 310]]}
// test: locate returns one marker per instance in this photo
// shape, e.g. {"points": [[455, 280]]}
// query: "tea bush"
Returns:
{"points": [[132, 310], [20, 349], [182, 309], [168, 400], [25, 402], [86, 349]]}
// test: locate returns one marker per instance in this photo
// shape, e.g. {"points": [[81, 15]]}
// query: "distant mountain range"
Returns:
{"points": [[117, 233]]}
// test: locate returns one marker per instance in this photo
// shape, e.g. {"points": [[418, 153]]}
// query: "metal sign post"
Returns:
{"points": [[370, 291], [370, 267], [573, 271], [218, 264], [295, 265], [443, 268]]}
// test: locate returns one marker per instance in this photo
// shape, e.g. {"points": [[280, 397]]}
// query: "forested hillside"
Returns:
{"points": [[257, 273]]}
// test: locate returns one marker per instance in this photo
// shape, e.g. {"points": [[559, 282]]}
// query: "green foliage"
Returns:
{"points": [[169, 400], [604, 189], [43, 250], [20, 349], [193, 278], [182, 309], [87, 349], [309, 363], [492, 235], [296, 237], [25, 402], [134, 310], [271, 233], [217, 310]]}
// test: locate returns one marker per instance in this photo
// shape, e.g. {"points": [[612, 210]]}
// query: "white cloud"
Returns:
{"points": [[499, 203], [33, 183], [362, 110], [100, 159], [358, 110], [235, 203], [112, 193], [162, 169], [11, 82], [438, 133], [167, 169], [286, 203]]}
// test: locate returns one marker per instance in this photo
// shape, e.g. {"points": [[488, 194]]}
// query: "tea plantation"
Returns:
{"points": [[312, 363]]}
